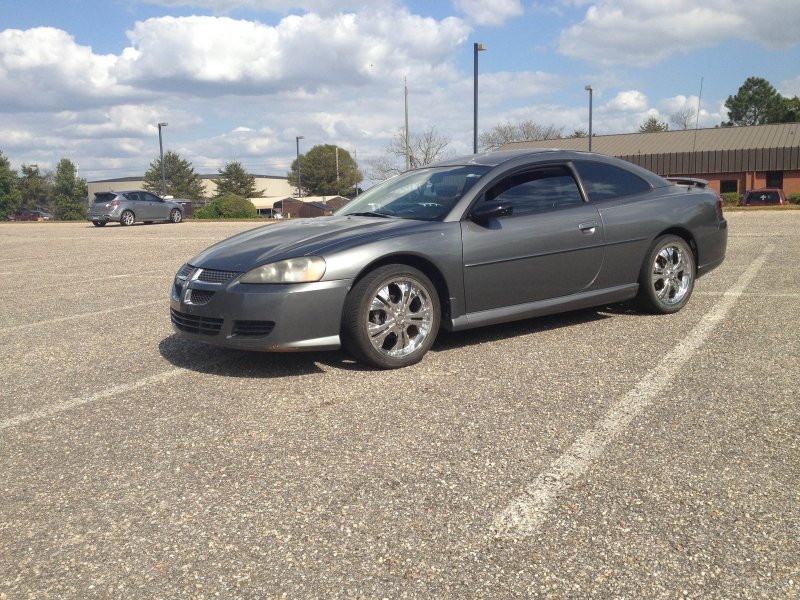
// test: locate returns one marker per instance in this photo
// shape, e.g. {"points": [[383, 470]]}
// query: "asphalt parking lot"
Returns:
{"points": [[601, 453]]}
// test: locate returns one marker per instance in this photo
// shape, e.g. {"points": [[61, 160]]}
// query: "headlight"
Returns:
{"points": [[292, 270]]}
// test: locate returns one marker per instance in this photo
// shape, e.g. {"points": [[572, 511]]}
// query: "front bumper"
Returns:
{"points": [[271, 318]]}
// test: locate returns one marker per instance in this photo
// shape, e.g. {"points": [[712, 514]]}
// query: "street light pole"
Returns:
{"points": [[476, 48], [161, 155], [588, 88], [299, 184]]}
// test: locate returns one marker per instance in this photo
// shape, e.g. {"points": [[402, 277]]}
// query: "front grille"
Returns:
{"points": [[195, 324], [253, 328], [215, 276], [185, 271], [201, 296]]}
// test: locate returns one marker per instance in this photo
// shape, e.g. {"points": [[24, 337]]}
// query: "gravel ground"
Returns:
{"points": [[643, 456]]}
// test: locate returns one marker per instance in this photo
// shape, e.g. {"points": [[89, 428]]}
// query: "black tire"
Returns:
{"points": [[667, 276], [127, 218], [391, 317], [175, 216], [99, 223]]}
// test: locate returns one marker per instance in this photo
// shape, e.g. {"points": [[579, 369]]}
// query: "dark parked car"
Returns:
{"points": [[130, 207], [764, 197], [33, 215], [467, 242]]}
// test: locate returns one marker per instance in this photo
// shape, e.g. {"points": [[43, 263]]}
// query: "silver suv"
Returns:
{"points": [[129, 207]]}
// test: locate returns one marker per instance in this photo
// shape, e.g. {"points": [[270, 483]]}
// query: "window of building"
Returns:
{"points": [[728, 186], [775, 179]]}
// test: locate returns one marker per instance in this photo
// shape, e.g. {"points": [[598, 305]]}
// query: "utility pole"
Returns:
{"points": [[408, 154]]}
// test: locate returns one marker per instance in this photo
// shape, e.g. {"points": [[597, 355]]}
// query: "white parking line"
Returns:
{"points": [[526, 513], [52, 280], [75, 402], [86, 315]]}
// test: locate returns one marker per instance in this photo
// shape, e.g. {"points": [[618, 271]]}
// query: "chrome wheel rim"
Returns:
{"points": [[176, 216], [672, 274], [399, 318], [127, 218]]}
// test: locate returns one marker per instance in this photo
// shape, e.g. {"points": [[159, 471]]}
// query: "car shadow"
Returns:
{"points": [[448, 340], [227, 362]]}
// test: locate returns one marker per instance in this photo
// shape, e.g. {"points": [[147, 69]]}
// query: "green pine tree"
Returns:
{"points": [[233, 179], [10, 196], [69, 192], [182, 181]]}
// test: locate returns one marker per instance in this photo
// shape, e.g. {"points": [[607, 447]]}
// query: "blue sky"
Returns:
{"points": [[89, 80]]}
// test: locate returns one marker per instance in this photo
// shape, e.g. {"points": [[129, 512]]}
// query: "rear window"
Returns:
{"points": [[103, 197], [764, 197], [604, 182]]}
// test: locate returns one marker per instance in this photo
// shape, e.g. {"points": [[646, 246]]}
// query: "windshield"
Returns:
{"points": [[427, 194]]}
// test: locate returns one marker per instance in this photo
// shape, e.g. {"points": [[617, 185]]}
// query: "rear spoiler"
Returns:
{"points": [[690, 181]]}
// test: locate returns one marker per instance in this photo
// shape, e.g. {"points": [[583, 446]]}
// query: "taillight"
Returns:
{"points": [[719, 205], [115, 203]]}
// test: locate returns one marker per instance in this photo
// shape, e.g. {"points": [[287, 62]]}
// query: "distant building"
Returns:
{"points": [[732, 159], [275, 187]]}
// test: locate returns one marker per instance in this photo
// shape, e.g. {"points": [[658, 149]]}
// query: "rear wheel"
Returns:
{"points": [[391, 317], [175, 216], [127, 218], [666, 279]]}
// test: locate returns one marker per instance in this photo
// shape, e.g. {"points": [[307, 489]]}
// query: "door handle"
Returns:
{"points": [[588, 228]]}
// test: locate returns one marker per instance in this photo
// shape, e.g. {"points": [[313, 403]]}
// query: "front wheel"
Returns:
{"points": [[391, 317], [175, 216], [666, 279], [127, 218]]}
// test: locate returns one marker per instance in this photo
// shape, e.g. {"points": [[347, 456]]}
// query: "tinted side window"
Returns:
{"points": [[150, 197], [539, 190], [603, 182], [132, 196]]}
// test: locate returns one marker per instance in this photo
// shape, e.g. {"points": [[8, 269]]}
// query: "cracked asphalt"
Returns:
{"points": [[134, 464]]}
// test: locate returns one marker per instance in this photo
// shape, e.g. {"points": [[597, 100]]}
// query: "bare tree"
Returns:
{"points": [[521, 132], [423, 149], [683, 118], [579, 133]]}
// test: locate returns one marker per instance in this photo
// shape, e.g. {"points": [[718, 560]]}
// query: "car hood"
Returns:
{"points": [[298, 237]]}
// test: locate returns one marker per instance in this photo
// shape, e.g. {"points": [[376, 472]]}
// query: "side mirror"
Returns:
{"points": [[491, 210]]}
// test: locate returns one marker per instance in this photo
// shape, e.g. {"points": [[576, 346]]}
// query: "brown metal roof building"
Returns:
{"points": [[732, 159]]}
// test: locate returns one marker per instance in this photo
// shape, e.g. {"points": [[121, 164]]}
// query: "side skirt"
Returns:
{"points": [[541, 308]]}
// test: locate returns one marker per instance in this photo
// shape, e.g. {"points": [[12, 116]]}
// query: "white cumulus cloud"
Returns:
{"points": [[493, 13], [645, 32], [221, 55], [44, 68], [628, 101]]}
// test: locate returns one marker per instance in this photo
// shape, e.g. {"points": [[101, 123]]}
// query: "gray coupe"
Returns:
{"points": [[463, 243]]}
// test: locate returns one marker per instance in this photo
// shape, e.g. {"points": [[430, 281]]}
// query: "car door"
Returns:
{"points": [[135, 205], [156, 208], [551, 245]]}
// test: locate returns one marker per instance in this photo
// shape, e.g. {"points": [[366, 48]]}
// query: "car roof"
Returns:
{"points": [[492, 159], [497, 158]]}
